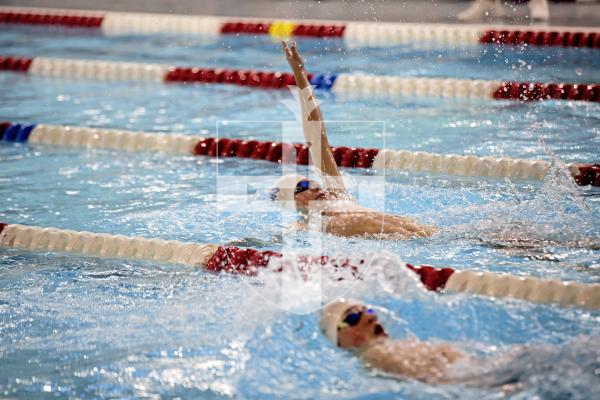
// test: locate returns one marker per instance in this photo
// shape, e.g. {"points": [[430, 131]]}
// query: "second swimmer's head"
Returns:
{"points": [[350, 324], [297, 191]]}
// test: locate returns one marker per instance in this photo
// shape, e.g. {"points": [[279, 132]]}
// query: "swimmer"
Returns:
{"points": [[352, 325], [342, 216]]}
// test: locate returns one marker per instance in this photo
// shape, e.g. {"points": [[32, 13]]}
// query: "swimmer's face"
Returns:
{"points": [[358, 326], [307, 191]]}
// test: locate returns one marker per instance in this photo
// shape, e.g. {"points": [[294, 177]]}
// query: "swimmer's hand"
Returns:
{"points": [[293, 56]]}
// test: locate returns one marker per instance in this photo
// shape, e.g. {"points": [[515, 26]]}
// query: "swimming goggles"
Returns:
{"points": [[353, 319], [304, 185], [301, 186]]}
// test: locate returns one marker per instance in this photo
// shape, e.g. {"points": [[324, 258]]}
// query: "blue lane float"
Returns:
{"points": [[15, 132], [323, 81]]}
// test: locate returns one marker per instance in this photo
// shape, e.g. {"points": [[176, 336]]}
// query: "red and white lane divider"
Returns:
{"points": [[349, 157], [391, 34], [365, 86], [249, 262], [355, 33], [360, 85]]}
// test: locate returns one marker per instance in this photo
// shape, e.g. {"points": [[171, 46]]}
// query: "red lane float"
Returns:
{"points": [[15, 64], [542, 38], [530, 91], [245, 27], [259, 79], [249, 261], [319, 30], [41, 18], [589, 174], [278, 152]]}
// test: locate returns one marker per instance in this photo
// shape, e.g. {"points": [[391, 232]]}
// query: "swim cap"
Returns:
{"points": [[332, 314], [284, 189]]}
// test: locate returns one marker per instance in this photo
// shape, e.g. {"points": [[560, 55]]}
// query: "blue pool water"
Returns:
{"points": [[86, 327]]}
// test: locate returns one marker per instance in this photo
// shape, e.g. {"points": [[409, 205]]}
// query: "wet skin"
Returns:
{"points": [[314, 193], [350, 223], [367, 329]]}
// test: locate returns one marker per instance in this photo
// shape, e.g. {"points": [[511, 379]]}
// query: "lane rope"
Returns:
{"points": [[277, 152], [380, 34], [232, 259], [361, 85]]}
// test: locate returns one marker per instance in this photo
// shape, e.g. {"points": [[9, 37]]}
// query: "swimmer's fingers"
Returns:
{"points": [[286, 49], [288, 53], [295, 49], [296, 53], [292, 55]]}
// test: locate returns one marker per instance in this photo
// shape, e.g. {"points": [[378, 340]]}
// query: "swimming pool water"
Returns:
{"points": [[86, 327]]}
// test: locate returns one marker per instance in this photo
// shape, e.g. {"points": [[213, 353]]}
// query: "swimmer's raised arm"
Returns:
{"points": [[312, 122]]}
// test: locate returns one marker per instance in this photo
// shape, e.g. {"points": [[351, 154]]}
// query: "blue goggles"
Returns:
{"points": [[353, 319], [301, 186], [304, 185]]}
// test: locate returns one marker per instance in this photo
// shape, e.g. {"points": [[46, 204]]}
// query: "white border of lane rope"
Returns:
{"points": [[36, 238]]}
